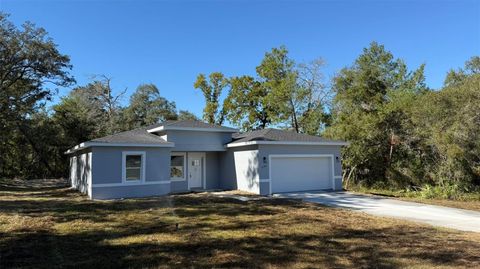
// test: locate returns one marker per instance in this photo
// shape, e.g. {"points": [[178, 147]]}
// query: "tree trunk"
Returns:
{"points": [[25, 133], [294, 117], [347, 181]]}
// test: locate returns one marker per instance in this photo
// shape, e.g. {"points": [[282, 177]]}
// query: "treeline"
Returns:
{"points": [[402, 134], [33, 138], [34, 143], [282, 94]]}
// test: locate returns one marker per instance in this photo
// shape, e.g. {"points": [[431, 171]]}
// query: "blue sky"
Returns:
{"points": [[169, 43]]}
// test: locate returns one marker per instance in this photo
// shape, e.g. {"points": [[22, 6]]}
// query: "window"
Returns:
{"points": [[177, 166], [133, 166]]}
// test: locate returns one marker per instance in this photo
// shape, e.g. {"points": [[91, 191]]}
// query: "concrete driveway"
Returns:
{"points": [[465, 220]]}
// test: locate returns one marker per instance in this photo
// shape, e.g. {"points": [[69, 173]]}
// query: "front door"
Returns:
{"points": [[195, 170]]}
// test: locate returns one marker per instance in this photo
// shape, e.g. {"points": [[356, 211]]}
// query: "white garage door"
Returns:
{"points": [[300, 173]]}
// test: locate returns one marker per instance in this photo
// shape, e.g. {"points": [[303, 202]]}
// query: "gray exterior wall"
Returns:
{"points": [[179, 186], [198, 140], [212, 173], [107, 173], [130, 191], [98, 171], [259, 165], [81, 171], [213, 170], [266, 150], [231, 171]]}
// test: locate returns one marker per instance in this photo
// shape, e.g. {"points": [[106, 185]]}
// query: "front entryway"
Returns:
{"points": [[195, 170]]}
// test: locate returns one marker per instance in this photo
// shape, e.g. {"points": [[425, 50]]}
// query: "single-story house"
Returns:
{"points": [[181, 156]]}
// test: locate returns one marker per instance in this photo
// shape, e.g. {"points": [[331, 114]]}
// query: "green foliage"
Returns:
{"points": [[371, 108], [77, 117], [186, 115], [281, 94], [246, 104], [455, 131], [401, 133], [29, 61], [212, 89], [472, 67], [148, 107]]}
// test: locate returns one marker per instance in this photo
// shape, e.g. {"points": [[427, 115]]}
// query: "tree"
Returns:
{"points": [[89, 112], [148, 107], [246, 105], [29, 60], [80, 117], [271, 98], [281, 94], [30, 69], [212, 89], [472, 67], [186, 115], [366, 115], [101, 93], [316, 101], [279, 80], [450, 125]]}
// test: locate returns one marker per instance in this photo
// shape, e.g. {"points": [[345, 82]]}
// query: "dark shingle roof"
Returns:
{"points": [[190, 124], [137, 136], [142, 136], [277, 135]]}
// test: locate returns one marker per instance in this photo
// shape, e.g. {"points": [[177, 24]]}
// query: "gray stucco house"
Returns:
{"points": [[179, 156]]}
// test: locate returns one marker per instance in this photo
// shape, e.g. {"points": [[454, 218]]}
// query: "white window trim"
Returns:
{"points": [[184, 155], [143, 155]]}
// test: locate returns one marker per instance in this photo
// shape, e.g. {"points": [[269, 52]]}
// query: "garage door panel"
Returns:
{"points": [[301, 173]]}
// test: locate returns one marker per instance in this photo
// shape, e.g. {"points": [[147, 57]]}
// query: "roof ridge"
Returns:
{"points": [[267, 131], [121, 132]]}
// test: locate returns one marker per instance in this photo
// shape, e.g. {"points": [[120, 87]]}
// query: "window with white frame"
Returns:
{"points": [[133, 166], [177, 166]]}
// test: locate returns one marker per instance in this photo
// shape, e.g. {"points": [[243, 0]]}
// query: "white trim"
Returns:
{"points": [[90, 180], [204, 167], [131, 184], [320, 143], [143, 160], [177, 180], [73, 170], [204, 158], [300, 156], [184, 155], [200, 129], [85, 145]]}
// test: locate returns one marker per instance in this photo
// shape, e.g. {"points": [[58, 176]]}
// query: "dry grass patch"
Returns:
{"points": [[55, 227]]}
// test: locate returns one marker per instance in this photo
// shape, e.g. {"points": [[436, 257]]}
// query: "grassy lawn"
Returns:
{"points": [[46, 226], [468, 201]]}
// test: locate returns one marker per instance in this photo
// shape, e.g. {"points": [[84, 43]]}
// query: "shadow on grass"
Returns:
{"points": [[46, 249], [214, 232]]}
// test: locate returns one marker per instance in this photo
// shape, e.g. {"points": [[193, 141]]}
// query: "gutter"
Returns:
{"points": [[300, 143], [85, 145]]}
